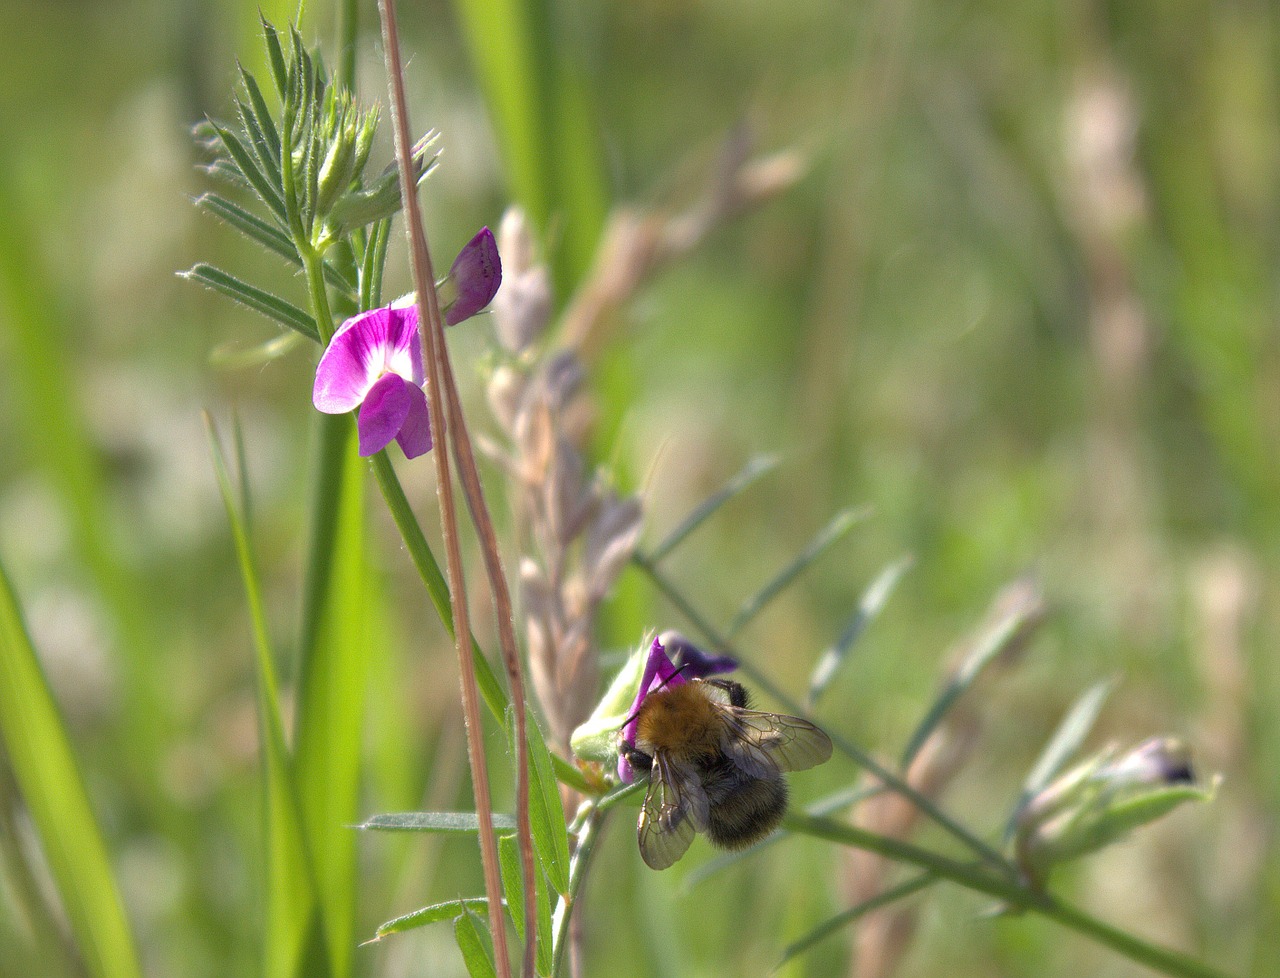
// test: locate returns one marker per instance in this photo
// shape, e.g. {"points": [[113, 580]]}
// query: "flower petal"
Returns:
{"points": [[476, 274], [658, 672], [361, 351], [415, 433], [383, 413]]}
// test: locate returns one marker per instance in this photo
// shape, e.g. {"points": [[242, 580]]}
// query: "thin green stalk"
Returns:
{"points": [[869, 763], [1018, 896], [587, 837]]}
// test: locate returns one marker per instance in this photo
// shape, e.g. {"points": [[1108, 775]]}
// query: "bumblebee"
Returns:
{"points": [[714, 766]]}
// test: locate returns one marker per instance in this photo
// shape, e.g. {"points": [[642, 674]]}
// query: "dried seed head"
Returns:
{"points": [[522, 307], [611, 540]]}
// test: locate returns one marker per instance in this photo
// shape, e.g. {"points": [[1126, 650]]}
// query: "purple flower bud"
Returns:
{"points": [[475, 276]]}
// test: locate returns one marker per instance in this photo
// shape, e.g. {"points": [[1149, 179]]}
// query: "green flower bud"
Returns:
{"points": [[1103, 800]]}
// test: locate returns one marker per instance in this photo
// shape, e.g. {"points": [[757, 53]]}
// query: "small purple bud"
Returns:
{"points": [[475, 276]]}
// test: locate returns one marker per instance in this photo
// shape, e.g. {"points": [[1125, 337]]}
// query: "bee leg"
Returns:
{"points": [[635, 757], [737, 692]]}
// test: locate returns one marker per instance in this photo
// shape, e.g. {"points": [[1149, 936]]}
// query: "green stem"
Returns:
{"points": [[1018, 896], [869, 763], [587, 838]]}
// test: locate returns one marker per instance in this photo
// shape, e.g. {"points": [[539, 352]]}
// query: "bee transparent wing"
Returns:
{"points": [[765, 745], [675, 807]]}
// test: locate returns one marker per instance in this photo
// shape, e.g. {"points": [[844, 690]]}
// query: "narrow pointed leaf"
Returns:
{"points": [[275, 57], [474, 943], [262, 115], [829, 535], [846, 917], [290, 890], [869, 606], [1010, 628], [258, 144], [546, 812], [333, 650], [273, 307], [752, 471], [428, 915], [248, 166], [1064, 743], [445, 822], [40, 753], [252, 227], [509, 859]]}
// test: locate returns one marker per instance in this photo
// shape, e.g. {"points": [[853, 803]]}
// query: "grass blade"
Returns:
{"points": [[546, 812], [848, 916], [509, 860], [752, 471], [334, 649], [44, 765], [427, 915], [1018, 609], [1066, 740], [829, 535], [256, 299], [872, 601], [289, 879], [443, 822]]}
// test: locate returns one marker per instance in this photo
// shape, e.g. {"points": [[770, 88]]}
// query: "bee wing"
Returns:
{"points": [[675, 807], [766, 744]]}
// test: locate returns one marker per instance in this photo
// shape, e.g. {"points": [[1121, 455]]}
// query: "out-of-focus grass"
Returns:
{"points": [[1018, 353]]}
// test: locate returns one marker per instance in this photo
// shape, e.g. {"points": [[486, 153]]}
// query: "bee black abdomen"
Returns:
{"points": [[748, 811]]}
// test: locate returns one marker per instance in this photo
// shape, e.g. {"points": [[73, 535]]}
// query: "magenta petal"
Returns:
{"points": [[367, 346], [415, 433], [383, 413], [476, 274], [658, 672]]}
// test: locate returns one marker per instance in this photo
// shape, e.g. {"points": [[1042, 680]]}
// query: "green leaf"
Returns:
{"points": [[275, 57], [289, 877], [509, 860], [43, 761], [428, 915], [251, 226], [846, 917], [829, 535], [1012, 626], [447, 822], [249, 169], [546, 813], [262, 115], [751, 472], [1066, 740], [473, 941], [333, 650], [262, 150], [256, 299], [872, 601]]}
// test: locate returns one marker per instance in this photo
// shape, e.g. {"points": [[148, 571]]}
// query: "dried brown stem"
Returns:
{"points": [[432, 331]]}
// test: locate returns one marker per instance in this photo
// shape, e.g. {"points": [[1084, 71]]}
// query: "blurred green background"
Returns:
{"points": [[1022, 305]]}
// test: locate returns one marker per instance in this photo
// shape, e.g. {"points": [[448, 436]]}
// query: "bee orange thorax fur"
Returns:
{"points": [[680, 720]]}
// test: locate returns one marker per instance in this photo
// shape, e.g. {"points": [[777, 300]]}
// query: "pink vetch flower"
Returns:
{"points": [[660, 672], [473, 278], [374, 363]]}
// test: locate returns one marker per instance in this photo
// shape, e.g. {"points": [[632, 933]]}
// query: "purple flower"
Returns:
{"points": [[660, 673], [374, 363], [474, 278]]}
